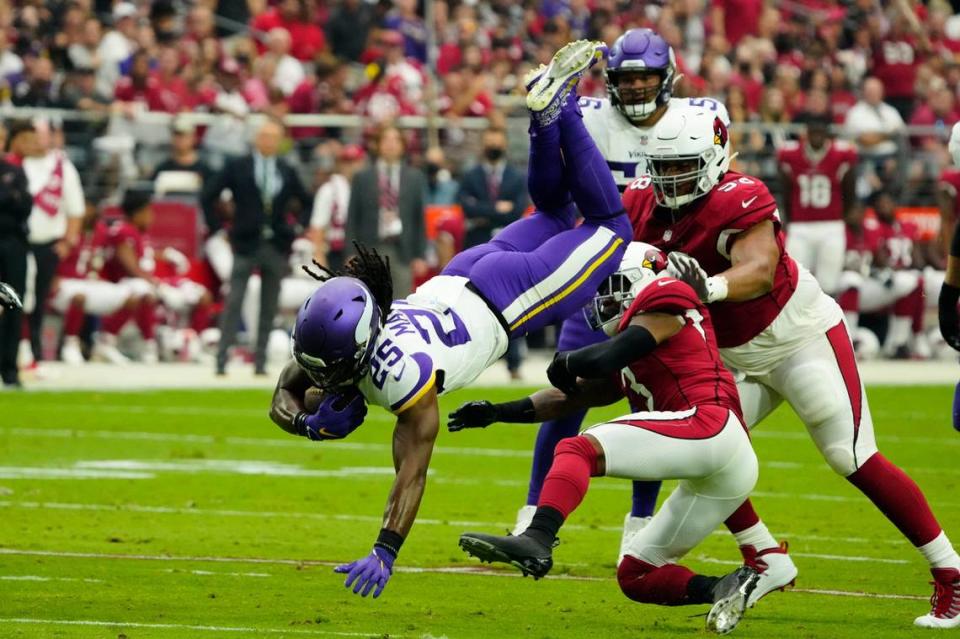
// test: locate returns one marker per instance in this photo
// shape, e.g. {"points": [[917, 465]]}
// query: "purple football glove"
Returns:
{"points": [[956, 407], [373, 570], [336, 417]]}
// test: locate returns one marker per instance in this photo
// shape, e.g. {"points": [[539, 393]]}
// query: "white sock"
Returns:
{"points": [[940, 553], [757, 536], [898, 334], [853, 319]]}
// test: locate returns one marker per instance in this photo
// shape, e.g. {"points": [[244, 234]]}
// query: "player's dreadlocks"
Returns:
{"points": [[369, 267]]}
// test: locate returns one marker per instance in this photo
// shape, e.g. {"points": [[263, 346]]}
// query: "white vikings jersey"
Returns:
{"points": [[443, 335], [621, 143]]}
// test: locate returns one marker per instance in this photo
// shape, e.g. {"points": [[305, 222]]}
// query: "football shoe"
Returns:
{"points": [[70, 352], [523, 552], [546, 97], [105, 350], [945, 601], [776, 569], [730, 596]]}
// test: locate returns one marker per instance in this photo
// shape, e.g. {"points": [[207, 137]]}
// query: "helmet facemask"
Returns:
{"points": [[637, 104], [354, 363], [616, 293], [680, 179]]}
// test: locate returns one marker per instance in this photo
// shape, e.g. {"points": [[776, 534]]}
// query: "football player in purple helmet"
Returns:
{"points": [[357, 344], [640, 74]]}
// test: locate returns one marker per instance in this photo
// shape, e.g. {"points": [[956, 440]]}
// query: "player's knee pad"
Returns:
{"points": [[840, 457]]}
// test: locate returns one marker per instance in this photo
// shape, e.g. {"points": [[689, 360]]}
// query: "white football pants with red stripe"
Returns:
{"points": [[706, 448], [806, 358]]}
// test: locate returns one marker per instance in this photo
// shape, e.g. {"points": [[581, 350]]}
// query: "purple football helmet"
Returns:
{"points": [[640, 50], [336, 331]]}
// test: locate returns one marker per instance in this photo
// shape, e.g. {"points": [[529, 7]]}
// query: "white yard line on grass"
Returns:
{"points": [[182, 626], [422, 521], [455, 570], [466, 570], [39, 578]]}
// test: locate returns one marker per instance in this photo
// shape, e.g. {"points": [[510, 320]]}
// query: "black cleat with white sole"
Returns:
{"points": [[730, 597], [526, 553]]}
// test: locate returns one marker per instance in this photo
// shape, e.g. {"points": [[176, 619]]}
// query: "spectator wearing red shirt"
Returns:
{"points": [[307, 38], [897, 55], [322, 92], [169, 91], [734, 19], [136, 86]]}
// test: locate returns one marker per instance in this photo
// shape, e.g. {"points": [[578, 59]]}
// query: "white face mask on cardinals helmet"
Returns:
{"points": [[688, 155], [641, 265]]}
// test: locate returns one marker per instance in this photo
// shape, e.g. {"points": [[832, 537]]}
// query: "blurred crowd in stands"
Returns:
{"points": [[885, 72]]}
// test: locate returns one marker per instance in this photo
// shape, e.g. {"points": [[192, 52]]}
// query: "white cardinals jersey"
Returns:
{"points": [[443, 335], [621, 143]]}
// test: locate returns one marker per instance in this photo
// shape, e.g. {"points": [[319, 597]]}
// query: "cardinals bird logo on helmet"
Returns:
{"points": [[641, 265]]}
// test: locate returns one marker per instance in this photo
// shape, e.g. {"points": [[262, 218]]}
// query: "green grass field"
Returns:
{"points": [[188, 514]]}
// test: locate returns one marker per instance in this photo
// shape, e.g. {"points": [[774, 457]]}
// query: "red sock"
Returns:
{"points": [[574, 462], [147, 318], [911, 306], [73, 319], [849, 300], [742, 518], [646, 583], [898, 497], [114, 322], [200, 319], [25, 327]]}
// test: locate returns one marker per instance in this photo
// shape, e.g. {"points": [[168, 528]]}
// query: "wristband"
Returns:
{"points": [[300, 423], [716, 289], [520, 411], [389, 541]]}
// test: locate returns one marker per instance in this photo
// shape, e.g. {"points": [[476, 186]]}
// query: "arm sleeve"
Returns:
{"points": [[601, 360]]}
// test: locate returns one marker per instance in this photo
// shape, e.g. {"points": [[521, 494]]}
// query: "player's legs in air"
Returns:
{"points": [[549, 169], [719, 472], [542, 268]]}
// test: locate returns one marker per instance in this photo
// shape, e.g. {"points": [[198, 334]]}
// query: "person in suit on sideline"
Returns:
{"points": [[387, 200], [270, 206]]}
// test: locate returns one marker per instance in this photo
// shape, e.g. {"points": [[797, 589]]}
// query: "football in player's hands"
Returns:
{"points": [[472, 415], [560, 376], [336, 415]]}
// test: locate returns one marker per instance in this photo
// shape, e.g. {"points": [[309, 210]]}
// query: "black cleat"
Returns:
{"points": [[526, 553], [730, 596]]}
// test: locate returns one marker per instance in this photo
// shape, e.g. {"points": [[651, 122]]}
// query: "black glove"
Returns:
{"points": [[949, 320], [472, 415], [560, 376]]}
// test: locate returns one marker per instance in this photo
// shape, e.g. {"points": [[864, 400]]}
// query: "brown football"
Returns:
{"points": [[312, 399]]}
